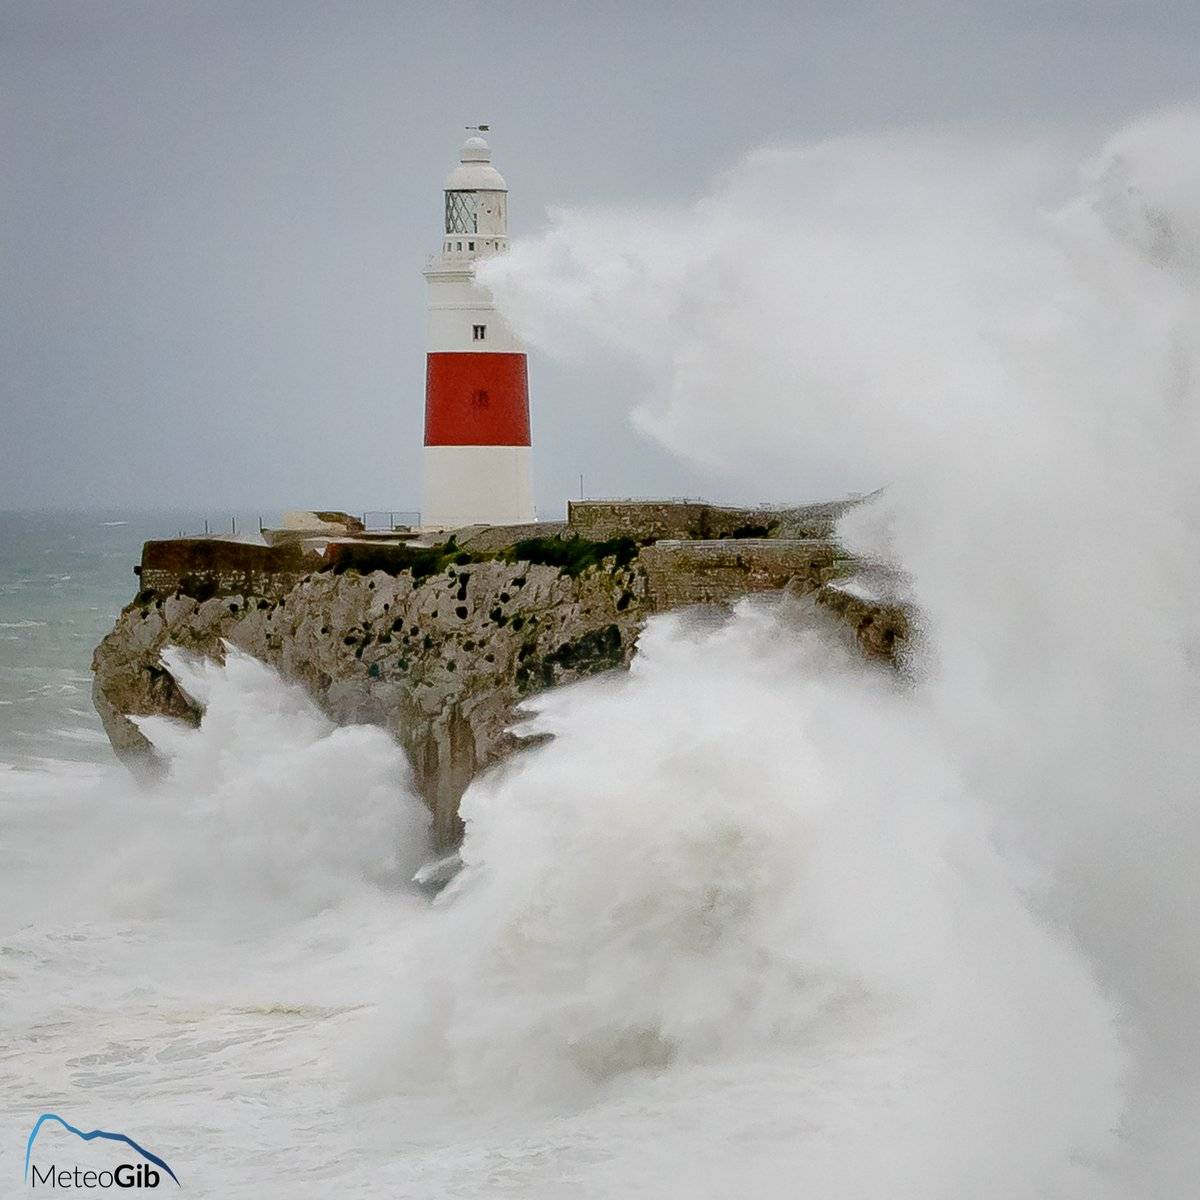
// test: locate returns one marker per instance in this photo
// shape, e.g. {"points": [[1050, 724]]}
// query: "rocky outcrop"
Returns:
{"points": [[440, 644], [440, 660]]}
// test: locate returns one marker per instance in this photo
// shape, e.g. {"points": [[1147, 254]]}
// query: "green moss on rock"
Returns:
{"points": [[573, 555], [421, 562]]}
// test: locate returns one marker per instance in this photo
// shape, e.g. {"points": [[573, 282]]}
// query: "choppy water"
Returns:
{"points": [[202, 965], [623, 995], [213, 965], [63, 579], [132, 997], [743, 926]]}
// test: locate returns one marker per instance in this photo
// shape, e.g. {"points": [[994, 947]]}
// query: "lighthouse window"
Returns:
{"points": [[460, 213], [470, 245], [479, 332]]}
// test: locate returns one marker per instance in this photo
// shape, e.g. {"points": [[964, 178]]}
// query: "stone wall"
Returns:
{"points": [[679, 573], [206, 567], [482, 539], [654, 520], [812, 520]]}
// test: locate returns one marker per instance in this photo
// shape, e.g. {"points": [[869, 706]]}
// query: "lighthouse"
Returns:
{"points": [[477, 467]]}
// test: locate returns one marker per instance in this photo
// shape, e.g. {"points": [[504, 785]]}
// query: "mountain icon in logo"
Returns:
{"points": [[91, 1137]]}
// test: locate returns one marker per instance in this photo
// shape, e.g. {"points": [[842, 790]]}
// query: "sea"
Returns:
{"points": [[133, 997], [737, 926]]}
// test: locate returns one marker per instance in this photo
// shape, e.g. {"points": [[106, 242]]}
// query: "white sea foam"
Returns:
{"points": [[183, 960], [1020, 364], [752, 865], [274, 796]]}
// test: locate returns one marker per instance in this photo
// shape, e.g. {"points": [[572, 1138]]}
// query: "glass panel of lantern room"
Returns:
{"points": [[460, 212]]}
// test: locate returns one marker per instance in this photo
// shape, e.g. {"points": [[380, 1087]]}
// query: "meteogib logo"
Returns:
{"points": [[148, 1173]]}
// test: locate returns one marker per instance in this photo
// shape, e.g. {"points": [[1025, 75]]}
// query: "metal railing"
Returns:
{"points": [[390, 519], [374, 521]]}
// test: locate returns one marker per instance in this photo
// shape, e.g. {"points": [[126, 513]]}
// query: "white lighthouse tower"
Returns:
{"points": [[477, 467]]}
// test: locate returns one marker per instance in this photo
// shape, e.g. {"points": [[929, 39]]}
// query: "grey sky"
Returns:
{"points": [[213, 215]]}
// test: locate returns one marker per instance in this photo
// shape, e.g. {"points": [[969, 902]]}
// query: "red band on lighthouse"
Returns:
{"points": [[476, 399]]}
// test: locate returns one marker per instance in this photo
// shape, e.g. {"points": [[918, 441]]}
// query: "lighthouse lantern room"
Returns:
{"points": [[477, 443]]}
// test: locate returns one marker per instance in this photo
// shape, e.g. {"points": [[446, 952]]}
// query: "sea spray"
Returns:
{"points": [[750, 866], [1008, 337], [187, 960], [290, 813]]}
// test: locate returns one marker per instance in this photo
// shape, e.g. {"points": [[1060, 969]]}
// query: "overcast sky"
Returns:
{"points": [[213, 215]]}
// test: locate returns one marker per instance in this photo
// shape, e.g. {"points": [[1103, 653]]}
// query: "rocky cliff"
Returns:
{"points": [[441, 643]]}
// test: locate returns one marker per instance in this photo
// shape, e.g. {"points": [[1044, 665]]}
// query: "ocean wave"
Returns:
{"points": [[95, 737]]}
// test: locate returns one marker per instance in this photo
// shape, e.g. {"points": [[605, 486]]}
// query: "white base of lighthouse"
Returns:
{"points": [[471, 485]]}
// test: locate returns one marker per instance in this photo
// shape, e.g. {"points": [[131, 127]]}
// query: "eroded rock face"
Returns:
{"points": [[441, 643], [440, 661]]}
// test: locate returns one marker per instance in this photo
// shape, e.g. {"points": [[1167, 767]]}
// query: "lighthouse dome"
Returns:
{"points": [[475, 172]]}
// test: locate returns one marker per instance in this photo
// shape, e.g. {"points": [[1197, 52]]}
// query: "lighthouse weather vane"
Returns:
{"points": [[478, 128]]}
